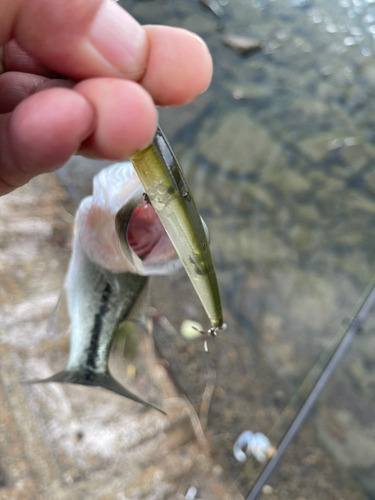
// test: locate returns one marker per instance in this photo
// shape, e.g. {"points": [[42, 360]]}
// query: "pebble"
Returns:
{"points": [[242, 44], [288, 181], [267, 489], [318, 147]]}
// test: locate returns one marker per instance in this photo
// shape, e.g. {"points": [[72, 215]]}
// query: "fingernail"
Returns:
{"points": [[118, 37], [198, 38]]}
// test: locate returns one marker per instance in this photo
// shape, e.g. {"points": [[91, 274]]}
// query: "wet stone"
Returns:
{"points": [[330, 188], [358, 447], [241, 243], [242, 44], [319, 146], [248, 91], [313, 304], [370, 180], [356, 201], [302, 237], [355, 156], [258, 194], [317, 117], [351, 238], [326, 90], [241, 145], [265, 247], [308, 213], [288, 181]]}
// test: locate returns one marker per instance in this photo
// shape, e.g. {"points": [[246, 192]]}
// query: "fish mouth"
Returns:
{"points": [[144, 241], [148, 240], [145, 231]]}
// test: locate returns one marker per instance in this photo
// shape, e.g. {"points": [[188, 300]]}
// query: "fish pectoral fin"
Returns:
{"points": [[138, 314], [94, 379], [59, 322]]}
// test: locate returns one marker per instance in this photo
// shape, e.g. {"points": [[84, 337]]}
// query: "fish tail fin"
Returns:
{"points": [[110, 383], [95, 379]]}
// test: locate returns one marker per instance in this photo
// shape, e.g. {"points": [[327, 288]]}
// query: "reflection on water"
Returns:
{"points": [[280, 154]]}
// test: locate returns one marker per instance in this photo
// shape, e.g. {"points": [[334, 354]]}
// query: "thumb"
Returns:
{"points": [[77, 38]]}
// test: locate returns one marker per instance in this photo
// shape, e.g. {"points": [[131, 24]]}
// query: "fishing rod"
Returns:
{"points": [[362, 309]]}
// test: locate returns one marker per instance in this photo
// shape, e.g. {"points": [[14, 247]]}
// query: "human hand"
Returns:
{"points": [[123, 71]]}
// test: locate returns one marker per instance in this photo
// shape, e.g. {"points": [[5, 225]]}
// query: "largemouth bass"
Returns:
{"points": [[118, 242], [169, 194]]}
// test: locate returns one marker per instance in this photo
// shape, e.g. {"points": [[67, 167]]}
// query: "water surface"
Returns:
{"points": [[280, 153]]}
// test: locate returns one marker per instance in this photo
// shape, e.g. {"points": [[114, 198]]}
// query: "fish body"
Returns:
{"points": [[98, 301], [170, 196], [120, 239], [106, 282]]}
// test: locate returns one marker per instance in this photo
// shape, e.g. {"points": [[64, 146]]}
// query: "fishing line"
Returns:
{"points": [[313, 384]]}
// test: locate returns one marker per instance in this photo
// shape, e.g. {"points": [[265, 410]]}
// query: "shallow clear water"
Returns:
{"points": [[280, 154]]}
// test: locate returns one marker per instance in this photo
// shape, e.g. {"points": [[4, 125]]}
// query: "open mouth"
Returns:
{"points": [[146, 234]]}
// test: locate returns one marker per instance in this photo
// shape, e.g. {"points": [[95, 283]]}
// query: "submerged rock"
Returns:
{"points": [[288, 180], [213, 6], [355, 153], [370, 180], [308, 213], [356, 445], [302, 237], [249, 91], [356, 201], [351, 238], [258, 194], [329, 189], [241, 145], [242, 44], [319, 146]]}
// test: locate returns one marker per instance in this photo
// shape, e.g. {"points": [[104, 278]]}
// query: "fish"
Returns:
{"points": [[167, 191], [118, 243]]}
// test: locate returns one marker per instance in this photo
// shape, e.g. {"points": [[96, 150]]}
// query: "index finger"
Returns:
{"points": [[90, 38]]}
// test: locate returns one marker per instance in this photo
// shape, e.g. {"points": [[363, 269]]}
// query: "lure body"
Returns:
{"points": [[106, 282], [169, 194]]}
